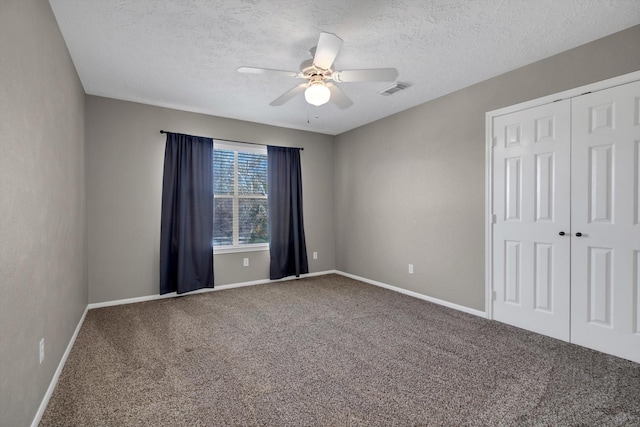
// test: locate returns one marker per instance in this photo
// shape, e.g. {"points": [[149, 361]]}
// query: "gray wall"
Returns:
{"points": [[410, 187], [125, 154], [43, 285]]}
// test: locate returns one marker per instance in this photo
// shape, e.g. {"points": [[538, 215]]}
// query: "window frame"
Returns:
{"points": [[245, 148]]}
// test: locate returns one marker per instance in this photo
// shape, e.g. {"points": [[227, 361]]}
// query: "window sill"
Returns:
{"points": [[217, 250]]}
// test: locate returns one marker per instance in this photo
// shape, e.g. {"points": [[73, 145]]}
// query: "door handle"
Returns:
{"points": [[578, 234], [562, 233]]}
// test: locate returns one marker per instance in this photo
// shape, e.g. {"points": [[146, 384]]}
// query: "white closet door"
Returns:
{"points": [[605, 259], [532, 207]]}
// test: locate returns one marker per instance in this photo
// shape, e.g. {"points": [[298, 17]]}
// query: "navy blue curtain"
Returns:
{"points": [[186, 230], [286, 227]]}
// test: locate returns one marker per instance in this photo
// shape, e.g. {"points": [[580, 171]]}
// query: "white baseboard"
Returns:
{"points": [[320, 273], [200, 291], [416, 295], [56, 375]]}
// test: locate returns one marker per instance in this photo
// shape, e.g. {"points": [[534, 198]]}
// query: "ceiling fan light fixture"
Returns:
{"points": [[317, 93]]}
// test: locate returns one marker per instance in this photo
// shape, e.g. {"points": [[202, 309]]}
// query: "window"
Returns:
{"points": [[240, 197]]}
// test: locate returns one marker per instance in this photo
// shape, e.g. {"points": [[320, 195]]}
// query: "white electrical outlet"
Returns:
{"points": [[410, 268], [41, 350], [315, 255], [245, 262]]}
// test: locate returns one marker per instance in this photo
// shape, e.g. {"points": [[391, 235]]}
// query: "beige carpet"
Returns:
{"points": [[329, 351]]}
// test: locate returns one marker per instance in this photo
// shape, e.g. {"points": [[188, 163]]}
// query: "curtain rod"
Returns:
{"points": [[242, 142]]}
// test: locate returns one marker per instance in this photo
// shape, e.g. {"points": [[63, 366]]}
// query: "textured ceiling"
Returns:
{"points": [[184, 54]]}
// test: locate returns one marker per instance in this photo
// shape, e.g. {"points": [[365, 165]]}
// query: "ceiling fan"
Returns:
{"points": [[318, 72]]}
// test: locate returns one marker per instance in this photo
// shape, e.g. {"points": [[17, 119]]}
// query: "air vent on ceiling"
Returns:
{"points": [[396, 87]]}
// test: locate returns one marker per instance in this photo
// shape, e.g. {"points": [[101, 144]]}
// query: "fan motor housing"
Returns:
{"points": [[310, 71]]}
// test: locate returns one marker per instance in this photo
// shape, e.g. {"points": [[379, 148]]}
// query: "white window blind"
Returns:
{"points": [[240, 196]]}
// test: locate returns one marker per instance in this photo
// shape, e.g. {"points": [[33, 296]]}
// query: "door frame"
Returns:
{"points": [[489, 116]]}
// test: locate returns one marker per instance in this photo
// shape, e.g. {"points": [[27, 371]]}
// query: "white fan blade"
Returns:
{"points": [[372, 75], [252, 70], [338, 97], [328, 47], [289, 95]]}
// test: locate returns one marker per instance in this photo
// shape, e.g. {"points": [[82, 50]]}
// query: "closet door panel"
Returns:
{"points": [[605, 240], [531, 205]]}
